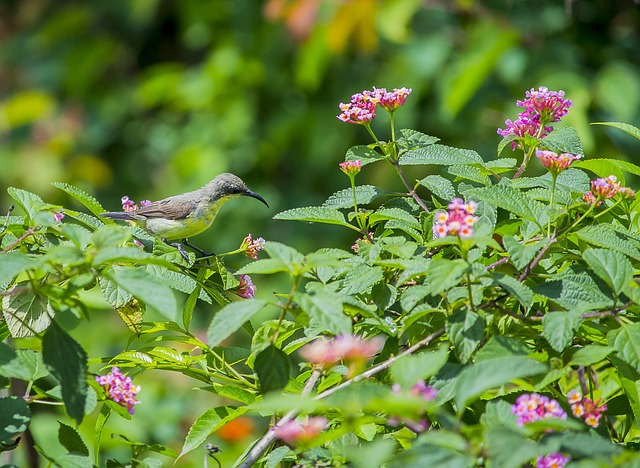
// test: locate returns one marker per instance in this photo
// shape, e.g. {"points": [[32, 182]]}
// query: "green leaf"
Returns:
{"points": [[439, 186], [485, 375], [408, 370], [590, 354], [563, 140], [411, 139], [284, 253], [364, 154], [603, 235], [630, 382], [574, 289], [630, 129], [394, 213], [428, 455], [365, 194], [15, 417], [265, 266], [509, 448], [230, 318], [273, 367], [523, 293], [520, 255], [23, 364], [315, 214], [440, 155], [207, 423], [613, 267], [626, 342], [26, 313], [512, 200], [559, 328], [604, 167], [68, 362], [71, 440], [325, 312], [445, 274], [506, 141], [145, 287], [471, 173], [501, 346], [29, 202], [114, 295], [110, 236], [466, 330], [87, 200], [587, 445], [361, 279], [13, 263]]}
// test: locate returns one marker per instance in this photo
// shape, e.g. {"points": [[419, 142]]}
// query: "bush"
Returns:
{"points": [[483, 317]]}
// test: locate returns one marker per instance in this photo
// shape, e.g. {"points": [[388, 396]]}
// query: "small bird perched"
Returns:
{"points": [[188, 214]]}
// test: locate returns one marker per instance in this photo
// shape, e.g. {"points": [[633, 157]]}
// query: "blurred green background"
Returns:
{"points": [[149, 98]]}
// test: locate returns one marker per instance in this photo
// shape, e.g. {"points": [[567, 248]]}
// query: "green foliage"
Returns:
{"points": [[412, 347]]}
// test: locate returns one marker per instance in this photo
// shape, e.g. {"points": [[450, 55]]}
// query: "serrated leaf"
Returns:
{"points": [[230, 318], [625, 127], [471, 173], [87, 200], [559, 328], [23, 364], [365, 194], [131, 314], [15, 417], [265, 266], [114, 294], [466, 330], [613, 267], [626, 342], [283, 252], [13, 263], [506, 141], [325, 312], [440, 155], [364, 154], [314, 214], [145, 287], [590, 354], [207, 423], [445, 274], [26, 314], [563, 140], [512, 200], [273, 367], [68, 362], [439, 186], [573, 290], [523, 293], [396, 214], [71, 440], [29, 202], [485, 375], [361, 279], [414, 139], [604, 167], [603, 235]]}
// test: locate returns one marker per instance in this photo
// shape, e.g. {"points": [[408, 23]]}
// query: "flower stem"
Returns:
{"points": [[554, 177]]}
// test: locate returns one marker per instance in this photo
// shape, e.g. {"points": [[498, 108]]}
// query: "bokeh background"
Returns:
{"points": [[149, 98]]}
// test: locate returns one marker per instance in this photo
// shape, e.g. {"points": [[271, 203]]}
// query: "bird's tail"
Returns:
{"points": [[122, 215]]}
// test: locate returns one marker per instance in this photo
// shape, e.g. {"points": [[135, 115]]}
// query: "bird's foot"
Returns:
{"points": [[197, 249], [178, 246]]}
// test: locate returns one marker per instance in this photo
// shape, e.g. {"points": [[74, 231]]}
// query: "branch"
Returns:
{"points": [[535, 261], [263, 444]]}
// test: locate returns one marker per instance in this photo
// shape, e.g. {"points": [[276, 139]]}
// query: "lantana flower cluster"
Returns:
{"points": [[553, 460], [555, 162], [246, 289], [250, 246], [351, 349], [605, 188], [351, 168], [129, 205], [119, 388], [586, 408], [294, 432], [532, 407], [459, 220], [362, 107], [541, 107], [420, 390]]}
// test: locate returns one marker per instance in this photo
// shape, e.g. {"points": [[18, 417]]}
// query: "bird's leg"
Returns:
{"points": [[178, 246], [197, 249]]}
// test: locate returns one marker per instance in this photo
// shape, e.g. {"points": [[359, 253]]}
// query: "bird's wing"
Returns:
{"points": [[169, 208]]}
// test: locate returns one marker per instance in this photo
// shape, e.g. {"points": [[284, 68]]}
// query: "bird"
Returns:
{"points": [[187, 214]]}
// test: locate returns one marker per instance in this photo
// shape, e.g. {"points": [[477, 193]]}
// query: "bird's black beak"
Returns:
{"points": [[251, 194]]}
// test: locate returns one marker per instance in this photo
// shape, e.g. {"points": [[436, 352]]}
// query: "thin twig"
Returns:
{"points": [[411, 190], [498, 263], [28, 233], [6, 221], [535, 261], [263, 444]]}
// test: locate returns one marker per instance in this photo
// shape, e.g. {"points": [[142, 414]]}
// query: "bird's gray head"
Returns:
{"points": [[230, 186]]}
